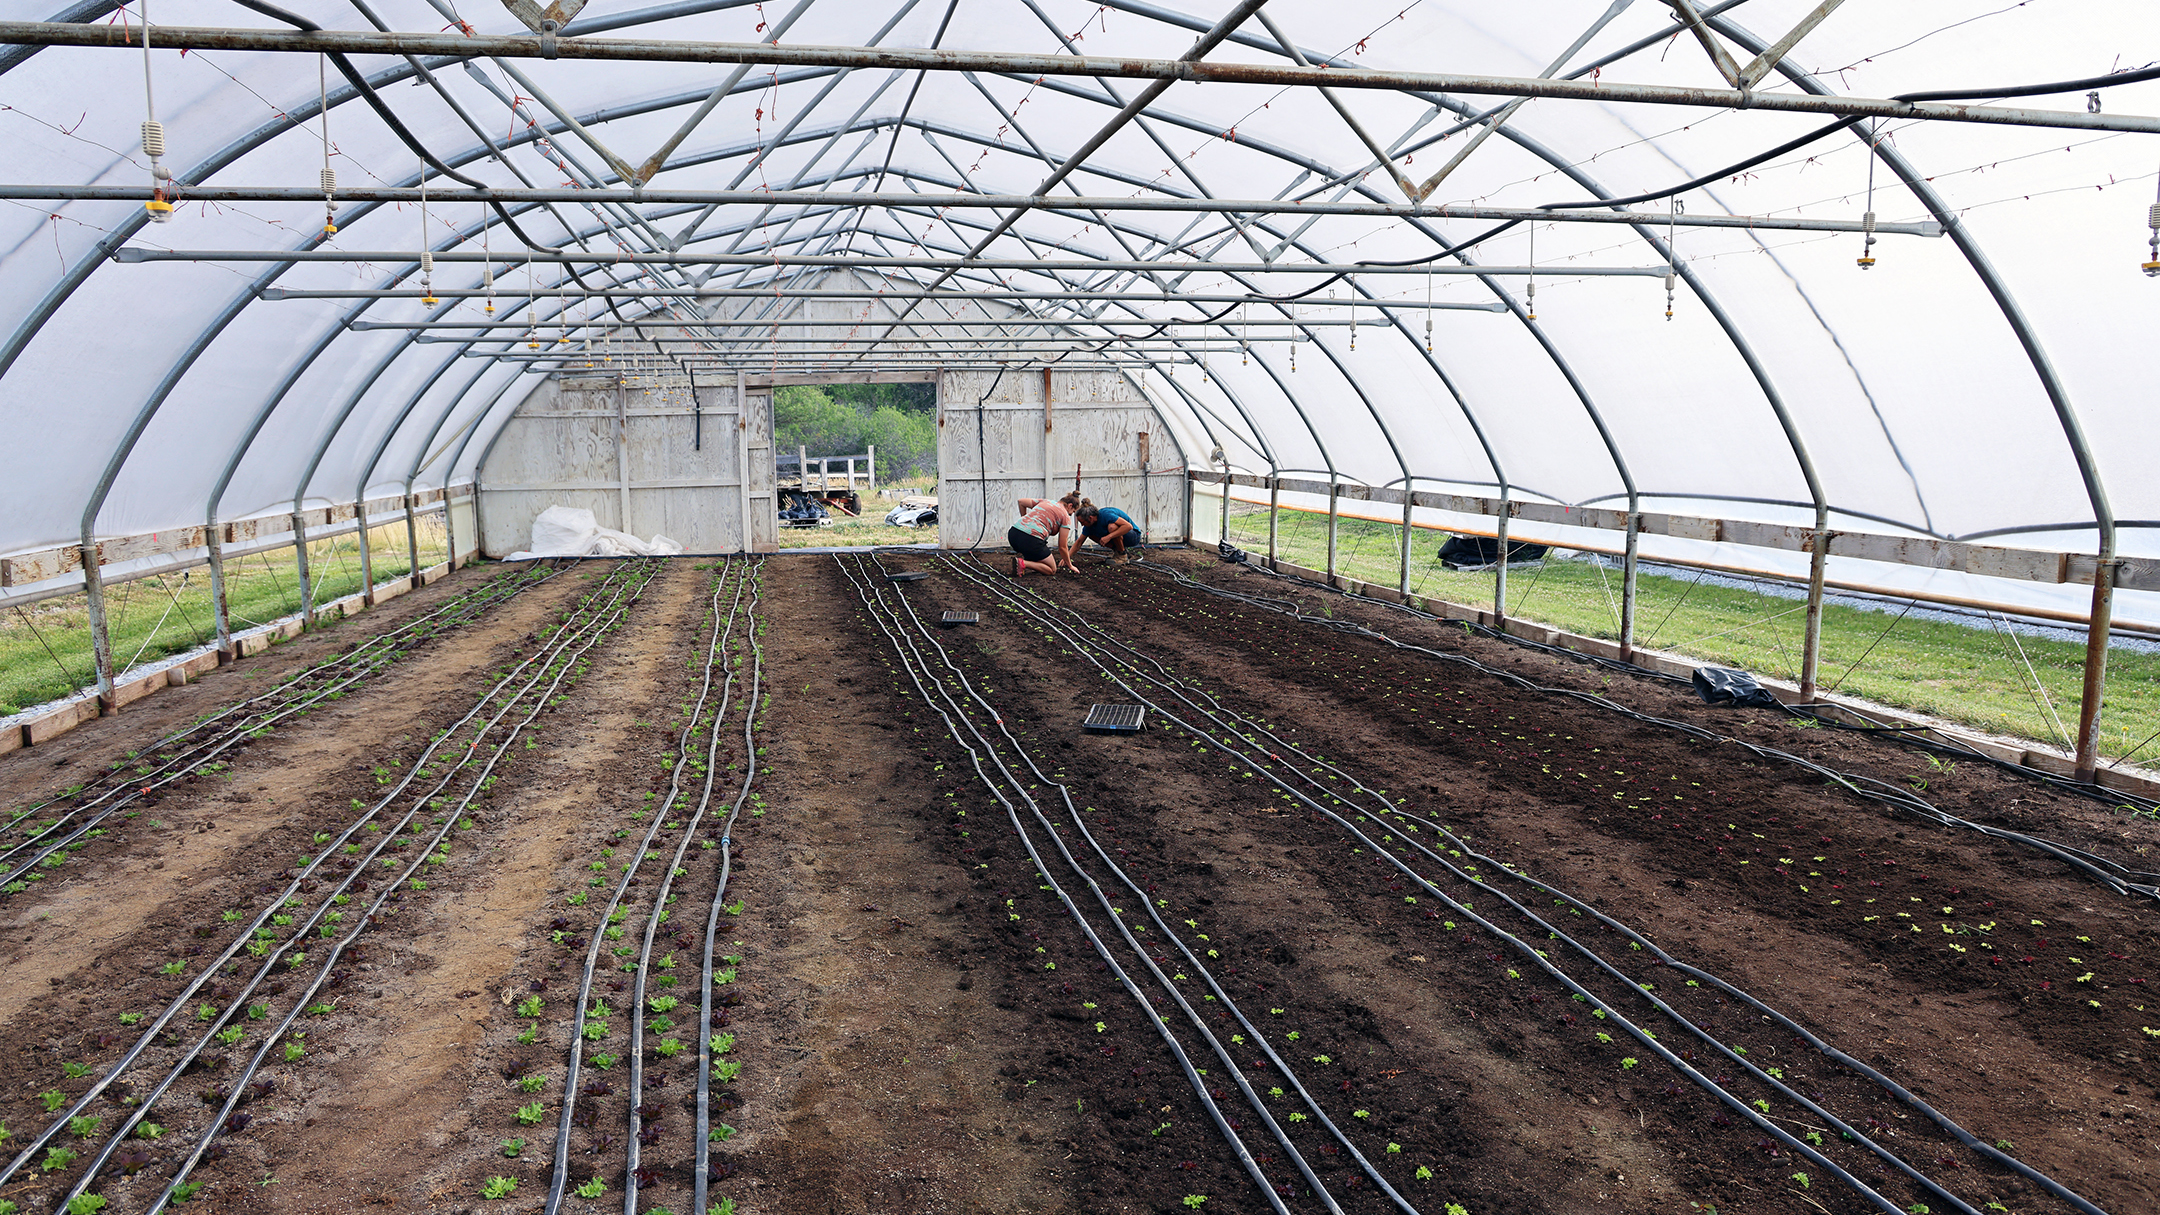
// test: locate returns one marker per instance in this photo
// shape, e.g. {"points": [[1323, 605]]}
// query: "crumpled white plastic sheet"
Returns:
{"points": [[569, 531]]}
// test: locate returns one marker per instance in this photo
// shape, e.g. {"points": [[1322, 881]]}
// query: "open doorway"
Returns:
{"points": [[855, 463]]}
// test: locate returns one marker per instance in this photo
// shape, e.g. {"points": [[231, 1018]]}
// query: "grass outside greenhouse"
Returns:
{"points": [[1979, 677], [45, 650], [1976, 676]]}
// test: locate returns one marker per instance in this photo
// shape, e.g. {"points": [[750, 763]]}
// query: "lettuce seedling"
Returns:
{"points": [[53, 1099], [498, 1187], [82, 1126], [591, 1189], [531, 1084], [56, 1159], [511, 1147], [530, 1115]]}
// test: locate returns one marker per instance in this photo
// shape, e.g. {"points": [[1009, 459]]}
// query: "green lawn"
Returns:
{"points": [[45, 648], [1972, 675]]}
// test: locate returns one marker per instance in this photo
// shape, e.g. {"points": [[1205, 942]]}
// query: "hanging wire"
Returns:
{"points": [[1531, 311], [532, 309], [1672, 254], [64, 672], [1854, 665], [153, 135], [1867, 220], [1245, 335], [2037, 690], [329, 175], [427, 255], [1428, 307], [487, 265]]}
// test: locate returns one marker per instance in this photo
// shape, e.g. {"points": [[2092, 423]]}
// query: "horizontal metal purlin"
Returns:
{"points": [[757, 327], [61, 192], [521, 46], [1182, 297], [137, 254], [2024, 565]]}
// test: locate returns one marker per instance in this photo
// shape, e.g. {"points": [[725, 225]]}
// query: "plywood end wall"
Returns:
{"points": [[1093, 419], [634, 458]]}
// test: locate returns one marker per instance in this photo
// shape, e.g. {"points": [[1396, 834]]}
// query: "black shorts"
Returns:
{"points": [[1027, 544]]}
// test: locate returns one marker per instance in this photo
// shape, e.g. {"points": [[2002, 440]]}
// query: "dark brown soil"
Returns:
{"points": [[905, 1045]]}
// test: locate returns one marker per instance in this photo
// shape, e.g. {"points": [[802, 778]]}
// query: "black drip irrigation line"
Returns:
{"points": [[2116, 877], [1821, 713], [869, 587], [455, 611], [1214, 710], [600, 624], [271, 707], [1530, 953], [256, 930], [749, 578], [708, 1046], [714, 651]]}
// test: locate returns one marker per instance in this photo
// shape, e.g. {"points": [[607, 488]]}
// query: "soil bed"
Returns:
{"points": [[920, 1025]]}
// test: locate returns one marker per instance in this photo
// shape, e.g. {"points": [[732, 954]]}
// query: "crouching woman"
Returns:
{"points": [[1044, 537]]}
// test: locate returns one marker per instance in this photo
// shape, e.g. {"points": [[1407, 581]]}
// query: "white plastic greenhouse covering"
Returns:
{"points": [[1992, 381]]}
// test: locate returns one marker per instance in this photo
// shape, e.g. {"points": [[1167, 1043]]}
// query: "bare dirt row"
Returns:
{"points": [[899, 1042]]}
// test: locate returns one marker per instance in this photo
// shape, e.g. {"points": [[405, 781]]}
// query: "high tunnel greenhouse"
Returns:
{"points": [[1822, 331]]}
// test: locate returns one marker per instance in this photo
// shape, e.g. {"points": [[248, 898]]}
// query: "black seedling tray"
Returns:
{"points": [[959, 617], [1114, 719]]}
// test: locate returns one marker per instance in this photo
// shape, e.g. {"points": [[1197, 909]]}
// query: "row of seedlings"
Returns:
{"points": [[645, 977], [307, 928], [1143, 953], [49, 835], [1449, 870]]}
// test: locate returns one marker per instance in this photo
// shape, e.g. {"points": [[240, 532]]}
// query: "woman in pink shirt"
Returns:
{"points": [[1040, 539]]}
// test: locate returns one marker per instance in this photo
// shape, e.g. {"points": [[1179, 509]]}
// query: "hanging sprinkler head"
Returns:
{"points": [[487, 282], [153, 142], [2152, 266], [329, 201], [153, 136], [1670, 279], [1867, 247], [427, 276]]}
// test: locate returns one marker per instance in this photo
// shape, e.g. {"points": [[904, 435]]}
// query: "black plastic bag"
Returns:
{"points": [[1718, 686], [1485, 550]]}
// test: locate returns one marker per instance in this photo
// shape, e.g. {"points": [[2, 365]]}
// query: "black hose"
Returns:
{"points": [[2133, 76], [2116, 877], [1019, 789], [706, 1051], [304, 874], [603, 623], [561, 1172], [360, 662], [390, 119], [1176, 686]]}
